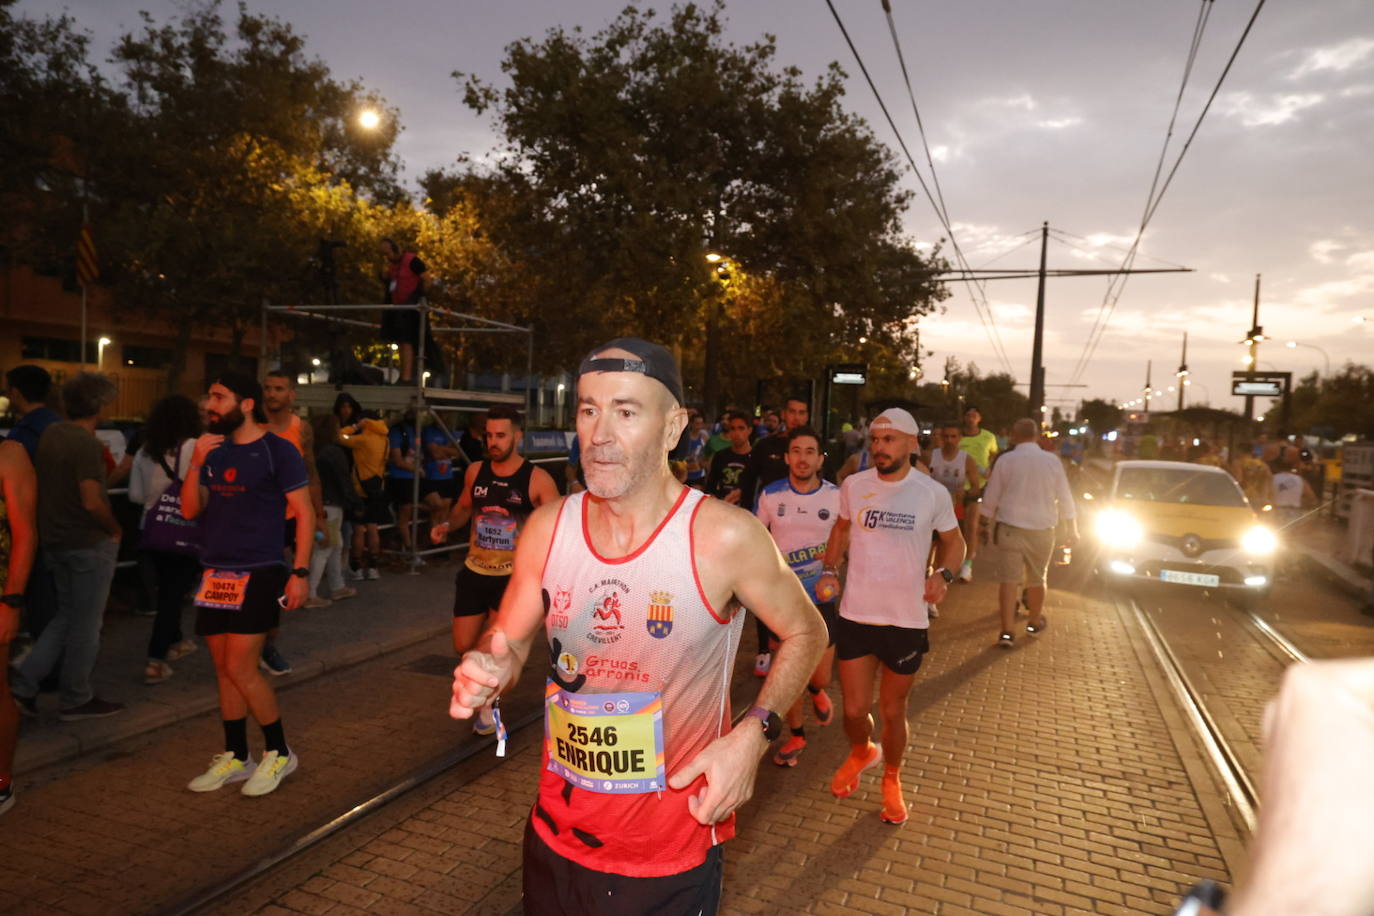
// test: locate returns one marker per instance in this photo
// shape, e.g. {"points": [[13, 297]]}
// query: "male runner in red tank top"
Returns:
{"points": [[638, 584]]}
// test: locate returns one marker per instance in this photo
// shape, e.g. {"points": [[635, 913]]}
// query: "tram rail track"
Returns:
{"points": [[220, 892], [1238, 782]]}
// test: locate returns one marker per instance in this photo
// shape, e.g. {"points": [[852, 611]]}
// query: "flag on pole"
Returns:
{"points": [[87, 267]]}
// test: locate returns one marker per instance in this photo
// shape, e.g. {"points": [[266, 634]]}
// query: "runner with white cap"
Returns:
{"points": [[887, 514]]}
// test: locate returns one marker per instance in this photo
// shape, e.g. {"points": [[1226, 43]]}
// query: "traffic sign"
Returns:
{"points": [[1261, 384]]}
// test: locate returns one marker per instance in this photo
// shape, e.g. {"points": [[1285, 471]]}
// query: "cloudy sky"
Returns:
{"points": [[1054, 110]]}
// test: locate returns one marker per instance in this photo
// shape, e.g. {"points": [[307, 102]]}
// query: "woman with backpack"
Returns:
{"points": [[168, 542]]}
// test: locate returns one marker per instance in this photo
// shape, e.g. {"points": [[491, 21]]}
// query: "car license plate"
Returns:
{"points": [[1188, 578]]}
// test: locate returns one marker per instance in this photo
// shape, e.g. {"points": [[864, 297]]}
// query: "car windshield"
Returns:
{"points": [[1179, 485]]}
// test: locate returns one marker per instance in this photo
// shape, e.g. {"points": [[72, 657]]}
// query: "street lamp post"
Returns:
{"points": [[101, 344], [1326, 360]]}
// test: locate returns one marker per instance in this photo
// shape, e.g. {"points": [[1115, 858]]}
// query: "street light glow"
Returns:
{"points": [[712, 257], [368, 119], [104, 341], [315, 361]]}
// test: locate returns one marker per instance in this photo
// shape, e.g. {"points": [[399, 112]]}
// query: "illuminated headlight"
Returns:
{"points": [[1256, 581], [1259, 540], [1117, 529], [1121, 568]]}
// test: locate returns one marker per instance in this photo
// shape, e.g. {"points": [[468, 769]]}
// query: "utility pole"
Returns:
{"points": [[1253, 338], [1149, 366], [1037, 376], [1037, 379], [1182, 373]]}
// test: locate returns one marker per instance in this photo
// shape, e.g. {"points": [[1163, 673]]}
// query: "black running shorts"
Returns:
{"points": [[401, 490], [900, 649], [829, 613], [554, 886], [447, 488], [260, 611], [474, 593]]}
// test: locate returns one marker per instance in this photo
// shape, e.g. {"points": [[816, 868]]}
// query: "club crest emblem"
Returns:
{"points": [[660, 617]]}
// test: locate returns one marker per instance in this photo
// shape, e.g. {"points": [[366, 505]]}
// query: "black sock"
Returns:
{"points": [[799, 732], [274, 738], [236, 737]]}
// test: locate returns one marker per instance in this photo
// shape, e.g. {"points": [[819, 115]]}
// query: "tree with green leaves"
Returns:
{"points": [[1101, 415], [240, 154], [54, 107], [631, 155]]}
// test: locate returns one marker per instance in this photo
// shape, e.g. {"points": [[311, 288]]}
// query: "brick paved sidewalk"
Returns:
{"points": [[1043, 780], [395, 611]]}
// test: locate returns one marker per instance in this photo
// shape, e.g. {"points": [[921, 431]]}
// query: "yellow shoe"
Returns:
{"points": [[894, 806], [847, 777]]}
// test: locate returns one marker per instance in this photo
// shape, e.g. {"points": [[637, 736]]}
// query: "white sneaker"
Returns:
{"points": [[966, 572], [224, 769], [373, 575], [762, 663], [485, 723], [357, 575], [272, 769]]}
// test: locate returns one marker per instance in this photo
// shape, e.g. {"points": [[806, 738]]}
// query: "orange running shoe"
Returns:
{"points": [[791, 749], [825, 710], [847, 777], [894, 806]]}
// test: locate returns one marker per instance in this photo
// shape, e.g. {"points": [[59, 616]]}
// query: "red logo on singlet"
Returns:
{"points": [[606, 611], [604, 603], [558, 609]]}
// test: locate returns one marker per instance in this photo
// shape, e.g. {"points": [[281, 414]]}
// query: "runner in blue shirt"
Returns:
{"points": [[439, 488], [239, 483]]}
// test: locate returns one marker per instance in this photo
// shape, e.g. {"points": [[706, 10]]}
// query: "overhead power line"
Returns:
{"points": [[978, 290], [1154, 198], [989, 326]]}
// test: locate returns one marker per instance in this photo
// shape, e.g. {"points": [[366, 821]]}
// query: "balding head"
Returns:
{"points": [[1024, 430]]}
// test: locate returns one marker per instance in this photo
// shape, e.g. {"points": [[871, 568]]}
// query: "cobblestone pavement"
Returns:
{"points": [[1055, 778], [1043, 780]]}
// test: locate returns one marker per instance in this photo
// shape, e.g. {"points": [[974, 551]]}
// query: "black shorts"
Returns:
{"points": [[829, 613], [474, 593], [447, 489], [374, 508], [260, 611], [400, 326], [401, 490], [900, 649], [555, 886]]}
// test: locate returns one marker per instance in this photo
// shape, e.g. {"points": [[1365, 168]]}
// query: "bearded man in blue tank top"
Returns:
{"points": [[498, 496], [637, 583]]}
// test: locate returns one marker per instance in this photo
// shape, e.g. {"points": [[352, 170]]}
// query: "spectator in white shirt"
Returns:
{"points": [[1027, 496]]}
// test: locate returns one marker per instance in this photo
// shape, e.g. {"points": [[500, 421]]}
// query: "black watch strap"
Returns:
{"points": [[301, 572], [769, 720], [946, 575], [15, 600]]}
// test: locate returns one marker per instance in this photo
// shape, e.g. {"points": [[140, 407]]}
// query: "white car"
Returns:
{"points": [[1184, 524]]}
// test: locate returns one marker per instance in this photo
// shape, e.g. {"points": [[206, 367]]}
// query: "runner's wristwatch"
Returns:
{"points": [[301, 572], [15, 601], [946, 575], [771, 721]]}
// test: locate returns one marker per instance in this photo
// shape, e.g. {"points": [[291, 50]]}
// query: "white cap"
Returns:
{"points": [[898, 419]]}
